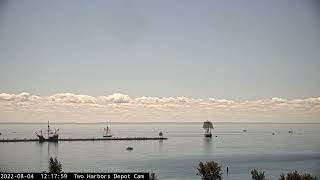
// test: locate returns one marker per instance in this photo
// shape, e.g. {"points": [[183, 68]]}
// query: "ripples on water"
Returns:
{"points": [[175, 158]]}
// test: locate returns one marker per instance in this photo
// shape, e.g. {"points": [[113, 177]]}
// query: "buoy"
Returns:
{"points": [[160, 134], [129, 148]]}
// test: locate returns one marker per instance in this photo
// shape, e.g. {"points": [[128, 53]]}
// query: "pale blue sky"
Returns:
{"points": [[224, 49]]}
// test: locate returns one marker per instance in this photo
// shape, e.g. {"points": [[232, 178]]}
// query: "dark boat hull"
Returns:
{"points": [[51, 139], [208, 135], [41, 139]]}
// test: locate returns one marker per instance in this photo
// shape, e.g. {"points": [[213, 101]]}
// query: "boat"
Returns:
{"points": [[207, 126], [244, 130], [107, 132], [290, 132], [129, 148], [53, 135]]}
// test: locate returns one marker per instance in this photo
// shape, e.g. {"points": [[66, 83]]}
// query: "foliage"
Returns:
{"points": [[55, 166], [256, 175], [153, 176], [209, 171], [296, 176]]}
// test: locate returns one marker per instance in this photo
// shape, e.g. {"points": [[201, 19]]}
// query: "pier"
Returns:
{"points": [[88, 139]]}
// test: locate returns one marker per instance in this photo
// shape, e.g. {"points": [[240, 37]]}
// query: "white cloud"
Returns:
{"points": [[122, 107], [148, 100], [313, 100], [22, 97], [116, 98], [163, 100], [7, 97], [220, 101], [71, 98], [278, 100]]}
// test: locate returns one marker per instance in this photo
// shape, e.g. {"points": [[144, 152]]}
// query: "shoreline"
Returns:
{"points": [[158, 122]]}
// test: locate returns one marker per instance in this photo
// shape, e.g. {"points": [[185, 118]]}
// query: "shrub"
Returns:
{"points": [[153, 176], [296, 176], [209, 171], [55, 166], [256, 175]]}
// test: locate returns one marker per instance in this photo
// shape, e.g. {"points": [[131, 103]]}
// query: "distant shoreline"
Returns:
{"points": [[158, 122]]}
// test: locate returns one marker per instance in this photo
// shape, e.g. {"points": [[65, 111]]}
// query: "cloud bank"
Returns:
{"points": [[117, 107]]}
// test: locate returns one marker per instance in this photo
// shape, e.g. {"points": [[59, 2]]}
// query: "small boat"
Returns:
{"points": [[207, 126], [290, 131], [244, 130], [107, 132], [129, 148], [0, 133], [273, 134]]}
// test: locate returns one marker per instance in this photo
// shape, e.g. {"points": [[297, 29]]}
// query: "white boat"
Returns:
{"points": [[107, 132]]}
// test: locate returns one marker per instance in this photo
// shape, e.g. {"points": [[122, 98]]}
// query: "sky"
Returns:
{"points": [[168, 60]]}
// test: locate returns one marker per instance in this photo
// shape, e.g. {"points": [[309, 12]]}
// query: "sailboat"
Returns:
{"points": [[107, 132], [207, 126], [53, 135]]}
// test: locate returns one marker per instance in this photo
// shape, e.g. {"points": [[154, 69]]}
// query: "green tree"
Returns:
{"points": [[256, 175], [55, 166], [153, 176], [209, 171], [297, 176]]}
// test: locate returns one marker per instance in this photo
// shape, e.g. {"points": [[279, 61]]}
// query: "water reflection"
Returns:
{"points": [[53, 149], [208, 145], [45, 151], [160, 145], [40, 149]]}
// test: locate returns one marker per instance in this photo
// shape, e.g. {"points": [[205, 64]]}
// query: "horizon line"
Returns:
{"points": [[158, 122]]}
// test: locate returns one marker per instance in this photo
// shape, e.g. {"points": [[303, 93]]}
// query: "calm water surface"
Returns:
{"points": [[175, 158]]}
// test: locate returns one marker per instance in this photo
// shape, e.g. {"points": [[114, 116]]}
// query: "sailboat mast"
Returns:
{"points": [[48, 129]]}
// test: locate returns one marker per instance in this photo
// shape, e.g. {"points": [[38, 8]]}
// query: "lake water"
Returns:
{"points": [[175, 158]]}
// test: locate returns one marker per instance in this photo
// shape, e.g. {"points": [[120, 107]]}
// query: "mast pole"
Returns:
{"points": [[48, 129]]}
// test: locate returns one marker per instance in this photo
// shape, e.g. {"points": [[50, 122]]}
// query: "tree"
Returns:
{"points": [[209, 171], [256, 175], [55, 166], [153, 176], [296, 176]]}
